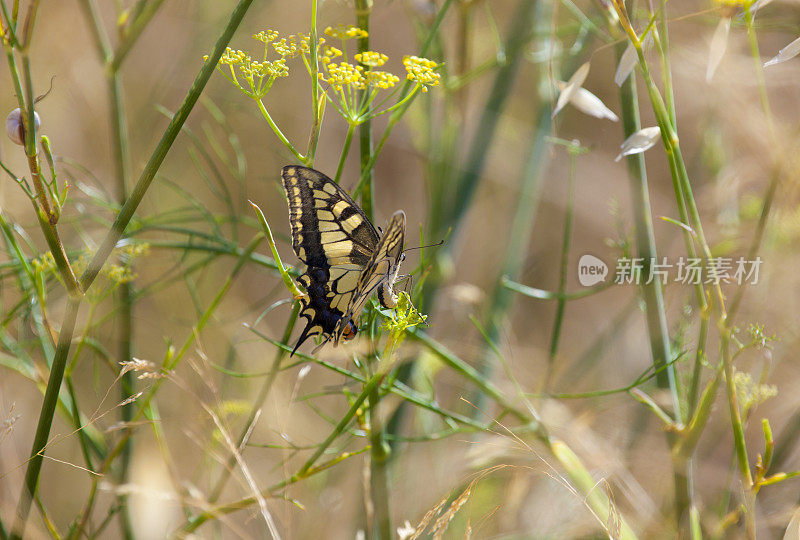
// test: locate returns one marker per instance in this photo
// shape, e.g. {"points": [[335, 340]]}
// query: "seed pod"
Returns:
{"points": [[15, 127]]}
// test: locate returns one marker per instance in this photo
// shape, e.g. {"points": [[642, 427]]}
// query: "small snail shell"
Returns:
{"points": [[15, 128]]}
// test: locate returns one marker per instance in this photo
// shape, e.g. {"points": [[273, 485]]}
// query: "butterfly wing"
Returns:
{"points": [[379, 274], [335, 240]]}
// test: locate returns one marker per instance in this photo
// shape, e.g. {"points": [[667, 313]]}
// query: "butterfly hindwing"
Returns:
{"points": [[339, 246], [380, 272]]}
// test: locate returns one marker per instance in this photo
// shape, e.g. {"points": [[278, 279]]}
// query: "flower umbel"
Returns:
{"points": [[345, 32], [259, 75], [421, 70], [371, 58], [355, 85], [403, 316]]}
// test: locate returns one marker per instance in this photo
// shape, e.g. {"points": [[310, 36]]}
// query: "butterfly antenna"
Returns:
{"points": [[318, 347], [437, 244]]}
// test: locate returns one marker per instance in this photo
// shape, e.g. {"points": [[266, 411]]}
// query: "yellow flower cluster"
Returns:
{"points": [[296, 44], [381, 79], [119, 273], [343, 74], [135, 249], [371, 58], [422, 71], [252, 69], [266, 36], [44, 264], [330, 54], [344, 32]]}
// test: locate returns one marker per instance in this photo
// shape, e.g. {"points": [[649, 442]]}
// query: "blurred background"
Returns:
{"points": [[459, 163]]}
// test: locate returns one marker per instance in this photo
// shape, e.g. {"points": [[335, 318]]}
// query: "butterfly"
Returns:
{"points": [[345, 256]]}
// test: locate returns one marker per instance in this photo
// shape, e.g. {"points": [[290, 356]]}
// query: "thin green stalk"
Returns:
{"points": [[563, 270], [651, 286], [662, 37], [367, 182], [541, 294], [278, 133], [316, 103], [646, 247], [699, 358], [27, 29], [345, 150], [121, 160], [736, 422], [45, 419], [380, 452], [119, 137], [42, 209], [163, 147], [758, 67], [127, 388], [684, 448]]}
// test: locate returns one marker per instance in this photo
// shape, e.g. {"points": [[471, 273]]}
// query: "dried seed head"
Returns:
{"points": [[15, 128]]}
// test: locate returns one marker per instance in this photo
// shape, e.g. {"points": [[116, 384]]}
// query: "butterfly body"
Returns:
{"points": [[346, 258]]}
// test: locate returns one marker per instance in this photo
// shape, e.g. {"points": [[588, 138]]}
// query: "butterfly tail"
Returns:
{"points": [[303, 337]]}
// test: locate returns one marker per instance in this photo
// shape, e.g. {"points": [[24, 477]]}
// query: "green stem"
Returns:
{"points": [[646, 247], [45, 419], [278, 133], [367, 181], [316, 104], [662, 36], [379, 469], [699, 358], [562, 278], [345, 150], [121, 160], [43, 211]]}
